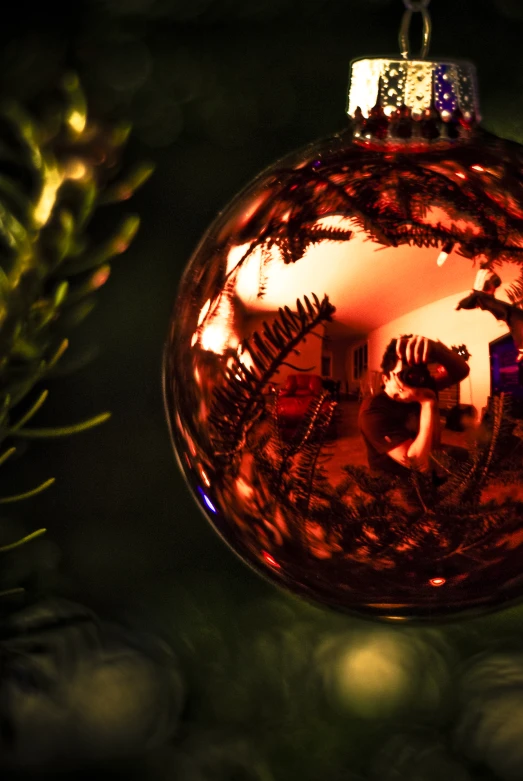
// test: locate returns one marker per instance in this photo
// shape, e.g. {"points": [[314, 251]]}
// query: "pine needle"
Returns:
{"points": [[125, 188], [115, 245], [7, 454], [31, 412], [58, 354], [27, 494], [10, 592], [28, 538], [62, 431], [4, 407]]}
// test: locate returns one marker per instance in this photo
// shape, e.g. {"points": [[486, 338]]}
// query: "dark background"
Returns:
{"points": [[216, 90]]}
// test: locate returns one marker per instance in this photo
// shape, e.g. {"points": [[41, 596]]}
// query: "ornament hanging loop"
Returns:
{"points": [[413, 6]]}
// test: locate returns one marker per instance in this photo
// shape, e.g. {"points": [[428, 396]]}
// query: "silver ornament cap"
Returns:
{"points": [[447, 86]]}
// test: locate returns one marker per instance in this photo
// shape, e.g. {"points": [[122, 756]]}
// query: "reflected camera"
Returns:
{"points": [[417, 376]]}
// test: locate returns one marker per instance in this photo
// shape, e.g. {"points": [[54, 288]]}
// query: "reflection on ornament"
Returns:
{"points": [[328, 429]]}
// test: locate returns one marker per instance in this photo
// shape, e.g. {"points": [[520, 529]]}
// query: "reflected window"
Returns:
{"points": [[326, 366], [359, 361]]}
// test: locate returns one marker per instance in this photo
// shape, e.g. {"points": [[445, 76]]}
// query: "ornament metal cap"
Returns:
{"points": [[443, 90]]}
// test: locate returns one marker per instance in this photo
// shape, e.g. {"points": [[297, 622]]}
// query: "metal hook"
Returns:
{"points": [[413, 6]]}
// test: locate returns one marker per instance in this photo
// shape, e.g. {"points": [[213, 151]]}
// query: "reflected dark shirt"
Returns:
{"points": [[384, 424]]}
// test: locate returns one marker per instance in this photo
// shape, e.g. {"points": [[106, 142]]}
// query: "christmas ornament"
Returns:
{"points": [[311, 365], [77, 690]]}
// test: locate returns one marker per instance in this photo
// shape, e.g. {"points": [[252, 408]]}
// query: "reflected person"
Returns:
{"points": [[400, 425]]}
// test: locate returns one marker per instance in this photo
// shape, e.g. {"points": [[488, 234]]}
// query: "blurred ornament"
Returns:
{"points": [[293, 311], [76, 690], [491, 705], [419, 754], [382, 672]]}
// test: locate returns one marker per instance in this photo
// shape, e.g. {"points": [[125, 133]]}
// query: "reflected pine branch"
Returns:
{"points": [[238, 403]]}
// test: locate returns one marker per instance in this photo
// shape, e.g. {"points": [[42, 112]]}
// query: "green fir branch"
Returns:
{"points": [[30, 412], [61, 431], [116, 245], [7, 454], [123, 189], [23, 541], [12, 592], [56, 175], [28, 494], [238, 402]]}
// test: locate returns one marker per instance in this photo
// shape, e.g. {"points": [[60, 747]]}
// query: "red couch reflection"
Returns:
{"points": [[294, 399]]}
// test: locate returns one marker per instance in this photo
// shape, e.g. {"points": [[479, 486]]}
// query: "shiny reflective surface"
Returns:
{"points": [[342, 385]]}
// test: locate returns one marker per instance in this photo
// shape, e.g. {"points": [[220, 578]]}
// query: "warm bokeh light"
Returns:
{"points": [[378, 673], [100, 277], [76, 169], [44, 207], [214, 337], [372, 675], [216, 332], [77, 121], [270, 560]]}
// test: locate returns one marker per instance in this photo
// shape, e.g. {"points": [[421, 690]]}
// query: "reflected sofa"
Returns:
{"points": [[294, 398]]}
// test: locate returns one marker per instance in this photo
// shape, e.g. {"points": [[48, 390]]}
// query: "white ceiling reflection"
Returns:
{"points": [[369, 284]]}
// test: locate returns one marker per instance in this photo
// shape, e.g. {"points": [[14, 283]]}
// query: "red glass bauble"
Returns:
{"points": [[337, 455]]}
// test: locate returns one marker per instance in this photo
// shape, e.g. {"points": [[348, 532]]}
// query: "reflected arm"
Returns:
{"points": [[420, 448]]}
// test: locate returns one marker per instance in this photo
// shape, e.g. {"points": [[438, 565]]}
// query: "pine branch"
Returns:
{"points": [[464, 488], [28, 494], [53, 178], [368, 484], [61, 431], [28, 538], [421, 488], [30, 412], [12, 592], [389, 201], [239, 401], [312, 438]]}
